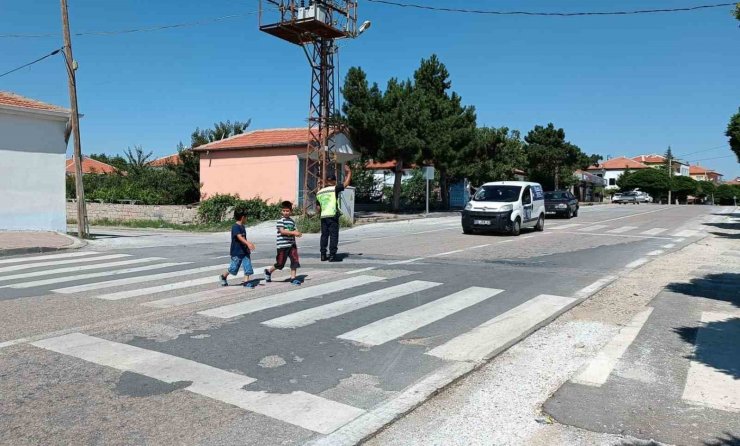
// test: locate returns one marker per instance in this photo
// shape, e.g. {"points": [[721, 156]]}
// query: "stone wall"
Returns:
{"points": [[128, 212]]}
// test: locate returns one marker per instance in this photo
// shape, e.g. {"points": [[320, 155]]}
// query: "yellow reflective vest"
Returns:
{"points": [[327, 198]]}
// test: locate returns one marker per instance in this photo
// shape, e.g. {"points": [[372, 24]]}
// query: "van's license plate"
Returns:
{"points": [[481, 222]]}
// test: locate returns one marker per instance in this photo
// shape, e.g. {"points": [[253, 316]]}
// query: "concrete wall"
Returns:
{"points": [[128, 212], [270, 174], [32, 189]]}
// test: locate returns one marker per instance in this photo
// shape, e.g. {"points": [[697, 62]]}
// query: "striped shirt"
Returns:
{"points": [[285, 241]]}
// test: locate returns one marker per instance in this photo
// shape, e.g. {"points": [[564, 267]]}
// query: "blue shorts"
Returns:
{"points": [[244, 262]]}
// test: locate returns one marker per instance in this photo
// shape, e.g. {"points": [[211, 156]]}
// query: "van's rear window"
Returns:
{"points": [[499, 193]]}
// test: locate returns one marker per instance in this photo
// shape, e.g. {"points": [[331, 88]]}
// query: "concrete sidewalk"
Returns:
{"points": [[28, 242]]}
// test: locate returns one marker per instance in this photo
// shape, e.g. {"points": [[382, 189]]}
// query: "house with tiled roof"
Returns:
{"points": [[700, 173], [166, 160], [89, 166], [679, 167], [32, 148], [269, 163], [613, 168]]}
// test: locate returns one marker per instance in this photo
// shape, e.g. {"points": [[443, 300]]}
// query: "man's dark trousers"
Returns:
{"points": [[329, 234]]}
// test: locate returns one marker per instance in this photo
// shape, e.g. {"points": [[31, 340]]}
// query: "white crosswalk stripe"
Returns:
{"points": [[687, 233], [593, 228], [312, 315], [117, 272], [7, 269], [47, 257], [568, 226], [502, 331], [298, 408], [654, 231], [72, 269], [139, 279], [621, 229], [276, 300], [392, 327]]}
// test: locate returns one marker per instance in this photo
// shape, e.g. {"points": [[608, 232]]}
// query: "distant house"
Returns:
{"points": [[32, 149], [611, 169], [679, 167], [173, 159], [89, 165], [269, 163], [733, 182], [385, 173], [703, 174]]}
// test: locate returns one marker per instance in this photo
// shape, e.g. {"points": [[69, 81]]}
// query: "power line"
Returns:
{"points": [[704, 150], [547, 14], [715, 158], [137, 30], [31, 63]]}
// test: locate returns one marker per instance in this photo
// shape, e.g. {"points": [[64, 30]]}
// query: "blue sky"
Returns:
{"points": [[619, 85]]}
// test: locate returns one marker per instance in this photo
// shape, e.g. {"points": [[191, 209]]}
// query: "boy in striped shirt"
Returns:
{"points": [[286, 245]]}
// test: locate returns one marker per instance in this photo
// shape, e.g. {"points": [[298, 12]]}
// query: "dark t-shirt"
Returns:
{"points": [[237, 248]]}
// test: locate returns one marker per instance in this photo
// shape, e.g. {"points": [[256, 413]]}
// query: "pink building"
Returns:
{"points": [[269, 164]]}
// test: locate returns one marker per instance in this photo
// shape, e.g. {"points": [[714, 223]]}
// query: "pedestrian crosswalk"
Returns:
{"points": [[625, 230]]}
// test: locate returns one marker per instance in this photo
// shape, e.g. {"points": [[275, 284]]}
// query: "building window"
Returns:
{"points": [[612, 181]]}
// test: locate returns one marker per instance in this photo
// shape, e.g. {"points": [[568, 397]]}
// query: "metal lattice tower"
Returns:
{"points": [[315, 25]]}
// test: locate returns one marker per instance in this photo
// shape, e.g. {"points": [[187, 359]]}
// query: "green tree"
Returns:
{"points": [[624, 182], [653, 181], [683, 186], [733, 128], [552, 160], [706, 189], [221, 130], [737, 11], [116, 161], [137, 161], [495, 155], [725, 194]]}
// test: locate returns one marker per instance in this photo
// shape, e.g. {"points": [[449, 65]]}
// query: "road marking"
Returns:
{"points": [[47, 257], [392, 327], [401, 262], [654, 231], [361, 270], [571, 225], [61, 262], [447, 253], [599, 369], [13, 342], [594, 287], [707, 384], [639, 262], [634, 215], [140, 279], [334, 309], [657, 252], [679, 240], [73, 269], [298, 408], [621, 230], [602, 234], [55, 281], [167, 287], [668, 246], [480, 246], [593, 228], [687, 233], [499, 333], [276, 300]]}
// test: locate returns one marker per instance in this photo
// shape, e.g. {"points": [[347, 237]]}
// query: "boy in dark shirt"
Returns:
{"points": [[286, 245], [240, 251]]}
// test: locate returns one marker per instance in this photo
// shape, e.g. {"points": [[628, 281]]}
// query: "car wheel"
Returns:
{"points": [[569, 215], [575, 214], [540, 226], [516, 227], [467, 230]]}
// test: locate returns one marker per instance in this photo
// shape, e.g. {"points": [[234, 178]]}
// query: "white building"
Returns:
{"points": [[32, 171], [610, 170]]}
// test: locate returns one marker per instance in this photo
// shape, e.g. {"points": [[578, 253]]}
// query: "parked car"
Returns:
{"points": [[643, 197], [561, 203], [627, 197], [505, 206]]}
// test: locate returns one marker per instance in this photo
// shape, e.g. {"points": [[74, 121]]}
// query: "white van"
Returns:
{"points": [[505, 206]]}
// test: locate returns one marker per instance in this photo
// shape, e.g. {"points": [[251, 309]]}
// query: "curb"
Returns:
{"points": [[370, 220], [76, 244]]}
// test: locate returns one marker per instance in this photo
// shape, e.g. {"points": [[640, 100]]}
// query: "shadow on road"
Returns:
{"points": [[728, 439], [722, 286], [712, 351], [726, 235]]}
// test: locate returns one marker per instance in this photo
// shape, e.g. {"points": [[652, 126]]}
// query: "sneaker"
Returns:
{"points": [[296, 282], [249, 284], [268, 275], [222, 280], [324, 258]]}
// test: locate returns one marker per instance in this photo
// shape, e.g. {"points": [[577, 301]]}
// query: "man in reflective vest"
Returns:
{"points": [[328, 201]]}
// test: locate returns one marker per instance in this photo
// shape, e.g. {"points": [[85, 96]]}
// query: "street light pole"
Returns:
{"points": [[77, 157]]}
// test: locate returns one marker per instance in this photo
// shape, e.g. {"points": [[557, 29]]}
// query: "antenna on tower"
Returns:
{"points": [[315, 25]]}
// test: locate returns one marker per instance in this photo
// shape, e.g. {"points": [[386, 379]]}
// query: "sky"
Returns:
{"points": [[617, 85]]}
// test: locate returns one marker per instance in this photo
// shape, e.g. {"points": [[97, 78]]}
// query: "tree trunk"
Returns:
{"points": [[444, 189], [397, 185]]}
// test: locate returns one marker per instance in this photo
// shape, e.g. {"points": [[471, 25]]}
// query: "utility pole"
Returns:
{"points": [[77, 157], [670, 174]]}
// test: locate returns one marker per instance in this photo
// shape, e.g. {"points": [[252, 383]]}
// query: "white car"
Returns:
{"points": [[505, 206]]}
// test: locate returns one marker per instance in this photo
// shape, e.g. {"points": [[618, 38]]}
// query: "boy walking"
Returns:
{"points": [[286, 245], [240, 251]]}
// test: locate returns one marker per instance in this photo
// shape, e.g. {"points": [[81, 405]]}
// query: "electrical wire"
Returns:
{"points": [[703, 150], [546, 14], [31, 63], [715, 158]]}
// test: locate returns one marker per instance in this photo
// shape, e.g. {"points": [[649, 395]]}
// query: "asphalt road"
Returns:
{"points": [[130, 341]]}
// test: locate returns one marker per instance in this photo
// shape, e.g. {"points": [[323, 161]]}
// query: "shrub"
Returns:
{"points": [[312, 224]]}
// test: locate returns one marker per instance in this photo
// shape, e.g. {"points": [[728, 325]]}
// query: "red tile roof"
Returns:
{"points": [[650, 159], [165, 160], [388, 165], [735, 181], [90, 165], [619, 164], [15, 100], [698, 170], [295, 137]]}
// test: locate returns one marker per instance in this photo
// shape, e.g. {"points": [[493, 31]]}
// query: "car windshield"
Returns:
{"points": [[498, 193], [555, 196]]}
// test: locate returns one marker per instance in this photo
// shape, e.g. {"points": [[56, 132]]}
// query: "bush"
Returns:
{"points": [[220, 207], [312, 224]]}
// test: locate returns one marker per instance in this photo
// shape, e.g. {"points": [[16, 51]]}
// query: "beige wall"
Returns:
{"points": [[271, 174], [129, 212]]}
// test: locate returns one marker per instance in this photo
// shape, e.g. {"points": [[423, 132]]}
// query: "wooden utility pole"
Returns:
{"points": [[670, 175], [77, 157]]}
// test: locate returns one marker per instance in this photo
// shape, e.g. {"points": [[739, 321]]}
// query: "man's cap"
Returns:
{"points": [[331, 177]]}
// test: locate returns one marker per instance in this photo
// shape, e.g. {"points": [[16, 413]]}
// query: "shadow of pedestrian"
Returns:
{"points": [[728, 439]]}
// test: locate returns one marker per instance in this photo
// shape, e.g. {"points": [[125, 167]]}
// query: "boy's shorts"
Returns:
{"points": [[283, 254], [245, 262]]}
